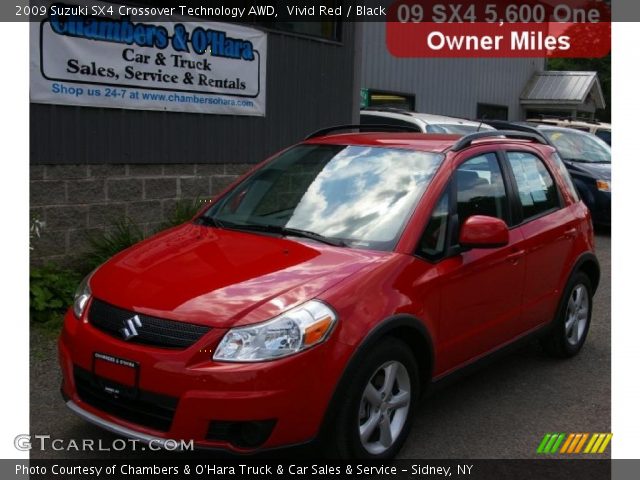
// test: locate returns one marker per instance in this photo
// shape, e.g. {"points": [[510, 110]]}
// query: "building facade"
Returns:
{"points": [[460, 87], [92, 166]]}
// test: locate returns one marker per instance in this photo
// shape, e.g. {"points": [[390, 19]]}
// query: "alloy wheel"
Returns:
{"points": [[384, 407], [577, 314]]}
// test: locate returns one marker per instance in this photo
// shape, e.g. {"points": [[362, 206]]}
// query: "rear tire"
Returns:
{"points": [[376, 409], [571, 326]]}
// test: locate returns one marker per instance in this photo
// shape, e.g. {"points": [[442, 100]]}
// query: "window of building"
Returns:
{"points": [[536, 189], [380, 98], [322, 29], [328, 30], [486, 111], [325, 29]]}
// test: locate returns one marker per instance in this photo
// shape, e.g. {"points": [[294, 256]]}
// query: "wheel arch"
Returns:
{"points": [[408, 329], [588, 263], [554, 337]]}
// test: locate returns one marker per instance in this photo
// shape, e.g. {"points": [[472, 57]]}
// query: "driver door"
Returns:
{"points": [[481, 289]]}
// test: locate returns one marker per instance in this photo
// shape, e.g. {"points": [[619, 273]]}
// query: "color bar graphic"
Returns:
{"points": [[573, 443], [550, 443]]}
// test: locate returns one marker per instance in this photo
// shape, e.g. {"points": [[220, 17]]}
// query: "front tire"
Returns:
{"points": [[376, 411], [573, 319]]}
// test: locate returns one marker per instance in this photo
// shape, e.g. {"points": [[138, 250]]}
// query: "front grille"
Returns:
{"points": [[137, 406], [154, 331]]}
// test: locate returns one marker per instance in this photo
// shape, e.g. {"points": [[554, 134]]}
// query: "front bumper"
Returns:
{"points": [[200, 399], [121, 430]]}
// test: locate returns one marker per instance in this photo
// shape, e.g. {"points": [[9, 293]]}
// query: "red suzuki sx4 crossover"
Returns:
{"points": [[323, 292]]}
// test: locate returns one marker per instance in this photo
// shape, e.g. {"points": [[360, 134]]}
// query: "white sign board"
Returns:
{"points": [[120, 62]]}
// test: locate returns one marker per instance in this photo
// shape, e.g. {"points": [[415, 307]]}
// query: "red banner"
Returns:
{"points": [[527, 29]]}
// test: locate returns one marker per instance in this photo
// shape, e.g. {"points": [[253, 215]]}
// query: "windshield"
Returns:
{"points": [[578, 146], [362, 196], [455, 128]]}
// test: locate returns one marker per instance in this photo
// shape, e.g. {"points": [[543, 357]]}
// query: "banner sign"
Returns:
{"points": [[503, 28], [118, 62]]}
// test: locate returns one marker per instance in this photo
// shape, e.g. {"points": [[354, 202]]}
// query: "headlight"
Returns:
{"points": [[293, 331], [82, 296], [603, 185]]}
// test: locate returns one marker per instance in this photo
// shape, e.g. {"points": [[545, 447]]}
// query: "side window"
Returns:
{"points": [[480, 189], [536, 189], [434, 239]]}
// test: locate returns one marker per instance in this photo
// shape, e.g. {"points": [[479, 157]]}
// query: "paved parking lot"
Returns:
{"points": [[501, 411]]}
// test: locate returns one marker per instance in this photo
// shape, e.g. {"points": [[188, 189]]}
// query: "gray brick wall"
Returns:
{"points": [[75, 200]]}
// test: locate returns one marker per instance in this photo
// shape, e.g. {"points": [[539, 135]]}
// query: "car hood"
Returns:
{"points": [[223, 278], [599, 171]]}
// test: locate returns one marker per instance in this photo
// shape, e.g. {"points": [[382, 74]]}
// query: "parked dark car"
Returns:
{"points": [[588, 160]]}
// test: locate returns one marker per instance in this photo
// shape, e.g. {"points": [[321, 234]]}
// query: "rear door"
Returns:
{"points": [[548, 229]]}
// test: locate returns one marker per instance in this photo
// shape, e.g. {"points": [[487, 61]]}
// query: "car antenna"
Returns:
{"points": [[481, 122]]}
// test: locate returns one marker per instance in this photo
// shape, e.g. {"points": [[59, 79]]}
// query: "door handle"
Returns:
{"points": [[515, 256], [571, 233]]}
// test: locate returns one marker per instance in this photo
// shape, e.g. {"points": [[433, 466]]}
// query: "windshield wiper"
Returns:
{"points": [[296, 232], [284, 231], [210, 221], [584, 160], [577, 160]]}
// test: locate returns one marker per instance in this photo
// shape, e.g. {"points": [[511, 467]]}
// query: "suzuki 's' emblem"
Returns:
{"points": [[130, 326]]}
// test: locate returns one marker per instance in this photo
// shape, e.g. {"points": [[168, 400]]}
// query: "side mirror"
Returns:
{"points": [[480, 231]]}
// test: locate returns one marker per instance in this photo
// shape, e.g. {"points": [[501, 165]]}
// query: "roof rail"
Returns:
{"points": [[465, 141], [364, 128]]}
